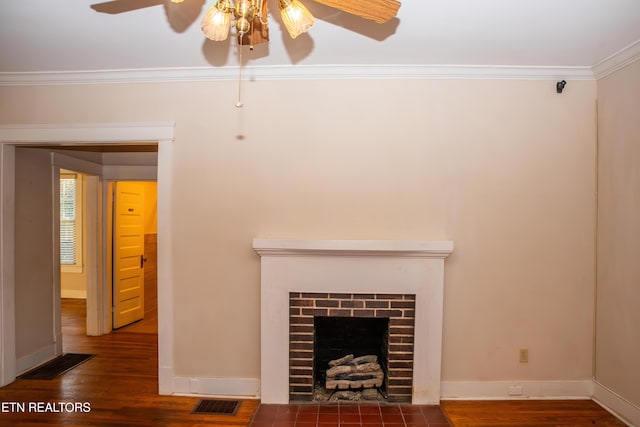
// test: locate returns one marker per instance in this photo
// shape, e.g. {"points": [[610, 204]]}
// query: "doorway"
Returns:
{"points": [[73, 238], [72, 234], [80, 286], [76, 136]]}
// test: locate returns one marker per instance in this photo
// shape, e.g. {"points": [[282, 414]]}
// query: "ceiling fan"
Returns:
{"points": [[250, 17]]}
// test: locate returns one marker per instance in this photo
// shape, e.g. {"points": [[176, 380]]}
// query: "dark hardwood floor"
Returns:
{"points": [[119, 385], [528, 413]]}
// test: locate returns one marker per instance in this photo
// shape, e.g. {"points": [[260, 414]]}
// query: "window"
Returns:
{"points": [[70, 221]]}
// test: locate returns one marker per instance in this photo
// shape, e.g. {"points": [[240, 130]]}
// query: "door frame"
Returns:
{"points": [[92, 226], [84, 134]]}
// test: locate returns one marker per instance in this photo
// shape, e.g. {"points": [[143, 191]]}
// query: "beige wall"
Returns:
{"points": [[73, 284], [618, 316], [503, 168], [33, 252]]}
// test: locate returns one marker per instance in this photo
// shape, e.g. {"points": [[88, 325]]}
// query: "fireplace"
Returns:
{"points": [[401, 281], [328, 326], [350, 358]]}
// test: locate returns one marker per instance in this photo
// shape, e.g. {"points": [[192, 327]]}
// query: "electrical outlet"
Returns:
{"points": [[524, 355], [515, 390]]}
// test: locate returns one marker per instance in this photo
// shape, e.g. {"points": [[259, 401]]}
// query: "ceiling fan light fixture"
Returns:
{"points": [[296, 18], [216, 22], [245, 13]]}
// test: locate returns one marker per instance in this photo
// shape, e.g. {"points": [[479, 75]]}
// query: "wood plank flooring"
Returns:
{"points": [[528, 413], [120, 384]]}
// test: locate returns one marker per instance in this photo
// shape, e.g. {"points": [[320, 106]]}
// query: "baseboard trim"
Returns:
{"points": [[165, 380], [450, 390], [217, 387], [73, 293], [45, 354], [614, 403], [502, 390]]}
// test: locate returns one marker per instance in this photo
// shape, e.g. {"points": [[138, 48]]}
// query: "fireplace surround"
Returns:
{"points": [[362, 267], [311, 313]]}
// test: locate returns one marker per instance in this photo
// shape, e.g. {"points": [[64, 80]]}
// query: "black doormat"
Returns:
{"points": [[214, 406], [56, 367]]}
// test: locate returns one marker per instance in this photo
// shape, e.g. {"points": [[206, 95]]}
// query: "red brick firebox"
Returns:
{"points": [[398, 308]]}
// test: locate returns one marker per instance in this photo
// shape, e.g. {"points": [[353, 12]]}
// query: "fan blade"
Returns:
{"points": [[259, 32], [182, 15], [379, 11], [121, 6]]}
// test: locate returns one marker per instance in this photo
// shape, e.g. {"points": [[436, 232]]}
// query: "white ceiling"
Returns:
{"points": [[70, 35]]}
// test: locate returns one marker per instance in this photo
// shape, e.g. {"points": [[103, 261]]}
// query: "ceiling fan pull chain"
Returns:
{"points": [[239, 103]]}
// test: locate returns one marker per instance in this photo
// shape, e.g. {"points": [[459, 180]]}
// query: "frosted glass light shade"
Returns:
{"points": [[177, 1], [297, 19], [215, 24]]}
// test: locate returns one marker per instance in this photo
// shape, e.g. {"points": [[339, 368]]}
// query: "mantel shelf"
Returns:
{"points": [[390, 248]]}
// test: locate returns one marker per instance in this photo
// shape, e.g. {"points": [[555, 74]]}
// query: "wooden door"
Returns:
{"points": [[128, 254]]}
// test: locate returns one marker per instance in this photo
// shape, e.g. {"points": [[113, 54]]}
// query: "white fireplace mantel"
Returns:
{"points": [[397, 248], [351, 266]]}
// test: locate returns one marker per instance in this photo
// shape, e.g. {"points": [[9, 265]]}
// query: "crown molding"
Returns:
{"points": [[611, 64], [296, 72], [617, 61]]}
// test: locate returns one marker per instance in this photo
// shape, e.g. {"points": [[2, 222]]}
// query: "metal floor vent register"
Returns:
{"points": [[56, 367], [216, 407]]}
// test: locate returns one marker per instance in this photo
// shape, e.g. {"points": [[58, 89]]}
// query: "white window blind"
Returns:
{"points": [[70, 226]]}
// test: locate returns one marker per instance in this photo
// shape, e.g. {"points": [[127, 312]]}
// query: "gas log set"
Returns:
{"points": [[354, 378]]}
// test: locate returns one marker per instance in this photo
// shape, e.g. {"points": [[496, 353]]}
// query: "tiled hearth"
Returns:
{"points": [[349, 415], [392, 267]]}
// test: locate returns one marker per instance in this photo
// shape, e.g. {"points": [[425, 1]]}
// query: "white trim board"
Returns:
{"points": [[217, 387], [618, 60], [87, 133], [73, 293], [617, 405], [298, 72], [499, 390], [35, 359]]}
